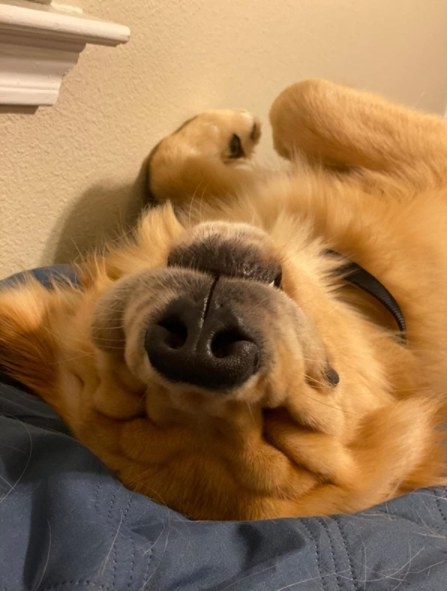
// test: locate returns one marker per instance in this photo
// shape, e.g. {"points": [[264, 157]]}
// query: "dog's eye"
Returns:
{"points": [[235, 147]]}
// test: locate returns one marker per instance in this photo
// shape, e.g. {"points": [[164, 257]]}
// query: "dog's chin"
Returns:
{"points": [[222, 447], [246, 451]]}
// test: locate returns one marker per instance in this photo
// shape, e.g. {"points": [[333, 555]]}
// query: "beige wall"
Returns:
{"points": [[68, 173]]}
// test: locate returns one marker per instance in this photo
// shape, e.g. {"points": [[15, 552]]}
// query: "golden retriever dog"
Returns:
{"points": [[267, 344]]}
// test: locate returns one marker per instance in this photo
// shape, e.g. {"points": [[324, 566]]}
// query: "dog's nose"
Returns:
{"points": [[209, 348]]}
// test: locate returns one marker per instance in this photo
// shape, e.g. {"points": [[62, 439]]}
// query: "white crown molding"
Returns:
{"points": [[40, 43]]}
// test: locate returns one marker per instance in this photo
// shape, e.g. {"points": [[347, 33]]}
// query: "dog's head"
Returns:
{"points": [[259, 390]]}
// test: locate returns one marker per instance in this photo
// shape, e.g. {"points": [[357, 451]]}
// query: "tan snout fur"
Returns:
{"points": [[337, 412]]}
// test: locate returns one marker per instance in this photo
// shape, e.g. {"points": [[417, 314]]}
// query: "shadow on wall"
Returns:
{"points": [[17, 109], [101, 214]]}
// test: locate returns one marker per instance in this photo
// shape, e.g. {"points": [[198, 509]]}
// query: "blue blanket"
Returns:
{"points": [[66, 523]]}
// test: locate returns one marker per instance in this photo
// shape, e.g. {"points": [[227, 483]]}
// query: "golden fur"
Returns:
{"points": [[367, 179]]}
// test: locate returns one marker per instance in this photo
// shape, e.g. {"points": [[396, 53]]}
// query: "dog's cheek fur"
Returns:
{"points": [[118, 394]]}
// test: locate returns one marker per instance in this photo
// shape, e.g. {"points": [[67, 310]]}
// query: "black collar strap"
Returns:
{"points": [[360, 277]]}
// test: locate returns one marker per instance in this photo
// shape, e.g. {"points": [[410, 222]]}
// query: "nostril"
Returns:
{"points": [[224, 342], [175, 332]]}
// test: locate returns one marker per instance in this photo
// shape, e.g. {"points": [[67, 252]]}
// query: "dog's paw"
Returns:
{"points": [[200, 157], [229, 135]]}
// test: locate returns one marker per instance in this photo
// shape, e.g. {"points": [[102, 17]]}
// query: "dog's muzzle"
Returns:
{"points": [[208, 338]]}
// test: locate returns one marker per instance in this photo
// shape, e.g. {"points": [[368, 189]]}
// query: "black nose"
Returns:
{"points": [[211, 349]]}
